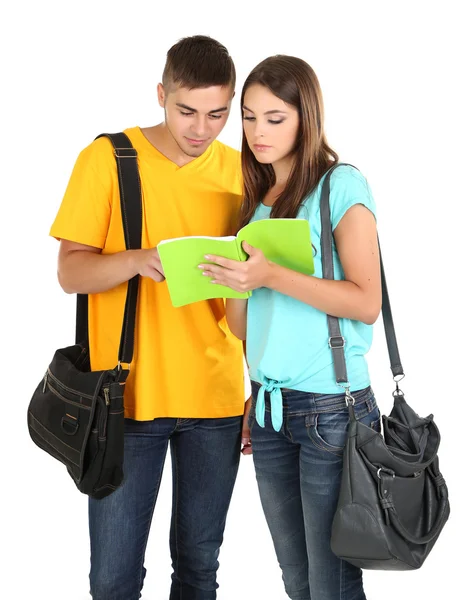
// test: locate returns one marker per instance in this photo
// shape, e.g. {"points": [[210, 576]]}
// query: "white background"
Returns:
{"points": [[392, 76]]}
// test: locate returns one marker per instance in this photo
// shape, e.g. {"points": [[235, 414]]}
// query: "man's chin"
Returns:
{"points": [[194, 152]]}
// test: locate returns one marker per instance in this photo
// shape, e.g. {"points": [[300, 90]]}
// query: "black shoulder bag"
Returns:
{"points": [[77, 415], [393, 501]]}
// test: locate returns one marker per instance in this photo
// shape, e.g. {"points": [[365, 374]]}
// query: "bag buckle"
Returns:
{"points": [[336, 341], [125, 152]]}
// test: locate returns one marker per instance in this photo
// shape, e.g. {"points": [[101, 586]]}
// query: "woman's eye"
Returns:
{"points": [[275, 122], [248, 118]]}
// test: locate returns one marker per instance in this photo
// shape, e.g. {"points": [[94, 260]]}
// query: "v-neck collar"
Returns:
{"points": [[193, 164]]}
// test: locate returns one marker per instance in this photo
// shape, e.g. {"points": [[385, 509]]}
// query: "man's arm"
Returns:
{"points": [[236, 316], [85, 270]]}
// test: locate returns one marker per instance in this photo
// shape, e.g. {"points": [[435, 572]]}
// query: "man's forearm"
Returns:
{"points": [[85, 272], [236, 315]]}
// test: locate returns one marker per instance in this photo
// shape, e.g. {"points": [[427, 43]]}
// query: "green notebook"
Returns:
{"points": [[283, 241]]}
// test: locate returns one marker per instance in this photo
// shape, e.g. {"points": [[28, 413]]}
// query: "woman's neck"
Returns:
{"points": [[282, 170]]}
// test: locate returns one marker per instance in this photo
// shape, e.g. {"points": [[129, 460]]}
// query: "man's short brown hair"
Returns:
{"points": [[198, 61]]}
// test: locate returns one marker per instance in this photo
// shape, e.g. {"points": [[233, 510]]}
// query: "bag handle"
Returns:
{"points": [[336, 341], [386, 500], [131, 211]]}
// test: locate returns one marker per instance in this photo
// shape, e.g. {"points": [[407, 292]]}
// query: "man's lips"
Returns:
{"points": [[195, 142]]}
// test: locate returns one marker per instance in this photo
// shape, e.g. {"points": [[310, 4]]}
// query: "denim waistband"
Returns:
{"points": [[295, 402]]}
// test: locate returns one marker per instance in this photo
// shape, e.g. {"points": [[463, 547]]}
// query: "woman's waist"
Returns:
{"points": [[298, 401], [313, 377]]}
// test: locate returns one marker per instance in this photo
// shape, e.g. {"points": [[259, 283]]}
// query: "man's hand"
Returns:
{"points": [[246, 441], [148, 264]]}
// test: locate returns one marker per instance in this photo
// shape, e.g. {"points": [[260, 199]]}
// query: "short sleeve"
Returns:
{"points": [[347, 188], [85, 211]]}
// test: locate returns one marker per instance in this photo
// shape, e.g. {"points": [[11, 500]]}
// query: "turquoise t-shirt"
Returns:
{"points": [[287, 340]]}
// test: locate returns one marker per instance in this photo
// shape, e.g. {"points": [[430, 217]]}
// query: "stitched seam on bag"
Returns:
{"points": [[73, 402], [47, 442], [107, 485], [65, 387]]}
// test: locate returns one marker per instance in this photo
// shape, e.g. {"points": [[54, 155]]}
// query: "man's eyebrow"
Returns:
{"points": [[268, 112], [194, 110]]}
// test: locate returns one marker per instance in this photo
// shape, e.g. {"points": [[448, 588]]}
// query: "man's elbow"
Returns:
{"points": [[65, 283]]}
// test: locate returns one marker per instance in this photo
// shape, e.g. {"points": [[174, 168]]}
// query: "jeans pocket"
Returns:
{"points": [[372, 420], [329, 431]]}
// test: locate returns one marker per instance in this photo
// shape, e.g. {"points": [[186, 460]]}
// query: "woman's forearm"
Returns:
{"points": [[343, 299]]}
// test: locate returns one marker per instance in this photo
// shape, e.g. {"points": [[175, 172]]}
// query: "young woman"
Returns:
{"points": [[298, 418]]}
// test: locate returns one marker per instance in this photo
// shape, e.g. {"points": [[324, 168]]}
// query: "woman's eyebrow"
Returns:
{"points": [[268, 112]]}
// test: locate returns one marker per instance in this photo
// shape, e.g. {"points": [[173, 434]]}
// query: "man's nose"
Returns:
{"points": [[200, 127]]}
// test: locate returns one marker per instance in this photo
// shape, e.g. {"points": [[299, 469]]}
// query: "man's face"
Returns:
{"points": [[195, 117]]}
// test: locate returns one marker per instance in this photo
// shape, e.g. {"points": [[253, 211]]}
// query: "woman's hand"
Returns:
{"points": [[246, 441], [246, 276]]}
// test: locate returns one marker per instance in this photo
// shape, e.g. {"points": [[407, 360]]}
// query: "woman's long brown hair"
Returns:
{"points": [[292, 80]]}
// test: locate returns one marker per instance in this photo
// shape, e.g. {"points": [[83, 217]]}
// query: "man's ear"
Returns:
{"points": [[161, 93]]}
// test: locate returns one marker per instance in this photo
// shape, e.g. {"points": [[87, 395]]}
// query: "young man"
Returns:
{"points": [[186, 386]]}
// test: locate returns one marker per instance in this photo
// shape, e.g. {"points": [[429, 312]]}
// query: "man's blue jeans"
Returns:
{"points": [[205, 458], [298, 472]]}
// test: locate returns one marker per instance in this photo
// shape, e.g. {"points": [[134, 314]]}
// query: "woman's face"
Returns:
{"points": [[270, 125]]}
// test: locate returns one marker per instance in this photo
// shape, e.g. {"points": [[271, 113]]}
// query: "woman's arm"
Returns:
{"points": [[358, 297], [236, 315]]}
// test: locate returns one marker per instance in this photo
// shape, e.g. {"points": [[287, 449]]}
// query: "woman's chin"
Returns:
{"points": [[264, 160]]}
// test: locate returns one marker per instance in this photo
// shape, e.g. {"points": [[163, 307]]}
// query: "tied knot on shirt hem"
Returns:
{"points": [[276, 403]]}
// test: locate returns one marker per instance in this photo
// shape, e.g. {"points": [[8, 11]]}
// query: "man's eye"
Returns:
{"points": [[186, 114], [215, 117]]}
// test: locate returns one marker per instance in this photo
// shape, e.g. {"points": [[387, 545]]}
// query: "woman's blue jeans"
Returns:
{"points": [[298, 471]]}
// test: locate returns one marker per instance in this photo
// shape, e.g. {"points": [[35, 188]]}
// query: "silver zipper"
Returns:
{"points": [[106, 393]]}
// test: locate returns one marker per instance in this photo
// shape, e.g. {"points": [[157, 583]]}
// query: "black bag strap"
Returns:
{"points": [[336, 341], [131, 211]]}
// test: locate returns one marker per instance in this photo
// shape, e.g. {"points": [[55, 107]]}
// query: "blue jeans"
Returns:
{"points": [[298, 471], [205, 458]]}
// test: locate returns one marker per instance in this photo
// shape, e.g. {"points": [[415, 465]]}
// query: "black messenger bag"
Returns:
{"points": [[75, 414]]}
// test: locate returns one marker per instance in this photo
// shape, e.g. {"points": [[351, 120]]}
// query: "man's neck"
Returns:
{"points": [[160, 137]]}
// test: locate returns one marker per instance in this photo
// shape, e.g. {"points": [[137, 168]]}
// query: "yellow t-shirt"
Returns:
{"points": [[186, 364]]}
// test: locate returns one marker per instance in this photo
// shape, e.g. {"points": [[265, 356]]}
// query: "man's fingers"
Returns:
{"points": [[159, 268], [157, 276]]}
